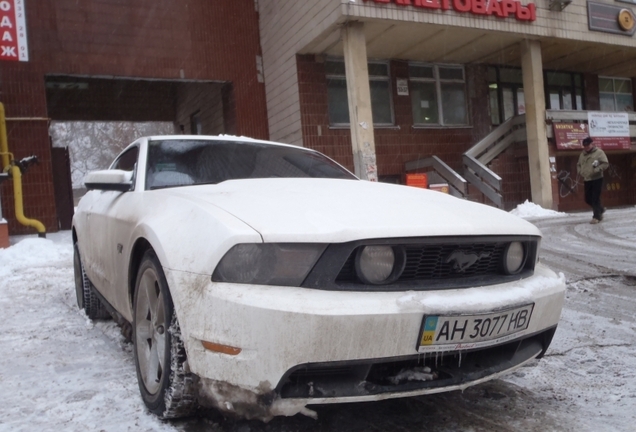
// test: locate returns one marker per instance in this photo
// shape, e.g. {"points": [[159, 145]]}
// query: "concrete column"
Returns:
{"points": [[538, 155], [360, 116]]}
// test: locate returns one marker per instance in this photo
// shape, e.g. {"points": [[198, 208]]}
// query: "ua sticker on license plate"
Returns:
{"points": [[462, 332]]}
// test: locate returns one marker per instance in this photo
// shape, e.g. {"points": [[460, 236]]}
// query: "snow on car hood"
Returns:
{"points": [[330, 210]]}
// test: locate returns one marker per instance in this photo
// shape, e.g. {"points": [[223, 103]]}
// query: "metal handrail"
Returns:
{"points": [[446, 172], [581, 116], [577, 115], [477, 157], [494, 136]]}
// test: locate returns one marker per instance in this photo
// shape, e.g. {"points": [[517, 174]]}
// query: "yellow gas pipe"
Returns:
{"points": [[8, 165]]}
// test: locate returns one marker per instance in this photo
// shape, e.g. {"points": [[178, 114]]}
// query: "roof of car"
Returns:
{"points": [[219, 138]]}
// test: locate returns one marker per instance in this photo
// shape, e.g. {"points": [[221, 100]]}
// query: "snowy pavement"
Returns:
{"points": [[61, 372]]}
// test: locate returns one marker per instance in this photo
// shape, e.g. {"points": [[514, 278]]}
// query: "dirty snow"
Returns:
{"points": [[61, 372], [479, 299], [414, 374], [529, 209]]}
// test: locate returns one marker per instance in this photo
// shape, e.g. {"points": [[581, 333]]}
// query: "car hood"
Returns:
{"points": [[331, 210]]}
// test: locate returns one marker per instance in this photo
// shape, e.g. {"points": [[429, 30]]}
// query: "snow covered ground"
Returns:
{"points": [[61, 372]]}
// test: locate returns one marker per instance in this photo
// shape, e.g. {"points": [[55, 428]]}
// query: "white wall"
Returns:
{"points": [[286, 26]]}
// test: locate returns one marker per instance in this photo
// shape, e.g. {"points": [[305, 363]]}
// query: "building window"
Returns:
{"points": [[438, 95], [564, 91], [379, 84], [616, 94]]}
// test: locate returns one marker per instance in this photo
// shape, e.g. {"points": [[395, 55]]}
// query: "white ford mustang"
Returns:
{"points": [[260, 278]]}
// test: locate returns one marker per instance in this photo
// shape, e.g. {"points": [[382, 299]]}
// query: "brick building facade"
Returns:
{"points": [[259, 68], [121, 60], [540, 54]]}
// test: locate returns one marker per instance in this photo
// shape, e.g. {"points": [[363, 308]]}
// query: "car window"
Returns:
{"points": [[127, 160], [181, 162]]}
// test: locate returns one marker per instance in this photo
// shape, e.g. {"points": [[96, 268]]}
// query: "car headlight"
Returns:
{"points": [[377, 265], [284, 264], [514, 258]]}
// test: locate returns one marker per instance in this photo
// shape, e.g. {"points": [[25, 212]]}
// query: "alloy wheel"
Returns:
{"points": [[150, 330]]}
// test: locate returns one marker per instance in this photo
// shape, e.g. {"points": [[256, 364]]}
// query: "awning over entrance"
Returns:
{"points": [[550, 44], [444, 44]]}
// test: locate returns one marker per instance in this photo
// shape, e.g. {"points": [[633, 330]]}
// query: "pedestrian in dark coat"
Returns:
{"points": [[590, 166]]}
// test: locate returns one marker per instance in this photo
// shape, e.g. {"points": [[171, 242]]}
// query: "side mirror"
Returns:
{"points": [[110, 180]]}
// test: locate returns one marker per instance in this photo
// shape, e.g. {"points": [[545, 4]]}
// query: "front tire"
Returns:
{"points": [[85, 291], [166, 387]]}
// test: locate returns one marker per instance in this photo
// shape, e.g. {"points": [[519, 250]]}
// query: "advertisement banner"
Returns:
{"points": [[13, 40], [569, 136], [610, 130]]}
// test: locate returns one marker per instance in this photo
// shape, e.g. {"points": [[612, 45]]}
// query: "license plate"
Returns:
{"points": [[462, 332]]}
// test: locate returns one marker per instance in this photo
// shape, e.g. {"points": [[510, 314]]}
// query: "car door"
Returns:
{"points": [[110, 224]]}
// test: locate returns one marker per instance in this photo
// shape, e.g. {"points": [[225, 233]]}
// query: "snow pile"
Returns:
{"points": [[34, 253], [60, 371], [529, 209]]}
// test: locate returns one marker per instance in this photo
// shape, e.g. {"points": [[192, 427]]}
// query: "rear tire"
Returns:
{"points": [[167, 388], [85, 290]]}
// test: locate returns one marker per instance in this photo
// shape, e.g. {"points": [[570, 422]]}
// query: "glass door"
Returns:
{"points": [[506, 95]]}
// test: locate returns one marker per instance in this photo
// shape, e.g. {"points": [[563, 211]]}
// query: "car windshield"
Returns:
{"points": [[192, 162]]}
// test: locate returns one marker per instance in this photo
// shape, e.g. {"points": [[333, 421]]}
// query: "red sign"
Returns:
{"points": [[13, 34], [613, 143], [569, 136], [498, 8], [417, 180]]}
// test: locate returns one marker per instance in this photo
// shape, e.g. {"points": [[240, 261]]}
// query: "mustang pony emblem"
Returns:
{"points": [[463, 260]]}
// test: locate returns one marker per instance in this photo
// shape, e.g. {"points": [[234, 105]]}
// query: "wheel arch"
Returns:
{"points": [[136, 255]]}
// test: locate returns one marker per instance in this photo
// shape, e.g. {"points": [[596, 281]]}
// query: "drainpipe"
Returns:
{"points": [[8, 165]]}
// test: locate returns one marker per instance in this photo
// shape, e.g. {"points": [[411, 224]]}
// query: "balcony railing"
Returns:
{"points": [[552, 116]]}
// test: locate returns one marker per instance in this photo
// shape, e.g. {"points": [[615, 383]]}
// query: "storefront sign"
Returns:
{"points": [[608, 18], [418, 180], [13, 41], [498, 8], [570, 136], [440, 187], [610, 130]]}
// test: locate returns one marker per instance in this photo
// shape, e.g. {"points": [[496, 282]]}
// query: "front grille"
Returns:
{"points": [[431, 263]]}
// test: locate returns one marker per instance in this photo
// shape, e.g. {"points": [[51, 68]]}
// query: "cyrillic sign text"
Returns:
{"points": [[498, 8]]}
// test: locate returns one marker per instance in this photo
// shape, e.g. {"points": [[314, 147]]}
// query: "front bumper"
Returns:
{"points": [[373, 379], [293, 338]]}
